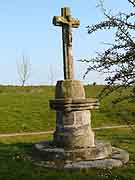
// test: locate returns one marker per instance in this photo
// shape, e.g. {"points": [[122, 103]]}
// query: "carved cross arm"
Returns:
{"points": [[61, 21]]}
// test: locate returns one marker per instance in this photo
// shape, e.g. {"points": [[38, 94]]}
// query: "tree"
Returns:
{"points": [[118, 60], [23, 68]]}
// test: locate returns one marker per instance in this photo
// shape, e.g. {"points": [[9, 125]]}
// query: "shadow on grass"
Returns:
{"points": [[15, 166]]}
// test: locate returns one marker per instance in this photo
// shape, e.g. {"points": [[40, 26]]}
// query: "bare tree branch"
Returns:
{"points": [[118, 60], [23, 68]]}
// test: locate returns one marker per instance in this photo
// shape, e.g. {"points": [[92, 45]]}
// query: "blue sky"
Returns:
{"points": [[26, 28]]}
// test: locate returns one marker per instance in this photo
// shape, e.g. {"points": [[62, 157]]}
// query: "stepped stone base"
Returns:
{"points": [[48, 151], [73, 145], [100, 156]]}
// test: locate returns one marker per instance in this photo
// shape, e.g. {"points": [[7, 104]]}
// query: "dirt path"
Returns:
{"points": [[114, 127], [51, 132]]}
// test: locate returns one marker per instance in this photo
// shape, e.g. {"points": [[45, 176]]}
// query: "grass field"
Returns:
{"points": [[27, 109]]}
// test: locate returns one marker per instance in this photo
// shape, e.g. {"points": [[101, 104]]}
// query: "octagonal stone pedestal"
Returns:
{"points": [[73, 117], [74, 145]]}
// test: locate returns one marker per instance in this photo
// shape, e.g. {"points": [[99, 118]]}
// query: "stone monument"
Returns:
{"points": [[74, 145]]}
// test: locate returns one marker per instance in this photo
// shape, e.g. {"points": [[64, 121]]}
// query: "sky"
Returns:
{"points": [[27, 29]]}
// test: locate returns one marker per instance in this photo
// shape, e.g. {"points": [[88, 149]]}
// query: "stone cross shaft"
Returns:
{"points": [[67, 22]]}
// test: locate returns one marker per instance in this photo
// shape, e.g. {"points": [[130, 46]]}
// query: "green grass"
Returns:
{"points": [[27, 109], [15, 166], [110, 113]]}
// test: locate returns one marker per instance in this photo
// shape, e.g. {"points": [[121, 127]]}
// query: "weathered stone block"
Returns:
{"points": [[74, 137], [69, 89], [82, 118], [73, 129], [68, 119]]}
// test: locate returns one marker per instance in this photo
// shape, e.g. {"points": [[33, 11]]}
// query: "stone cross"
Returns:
{"points": [[67, 22]]}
